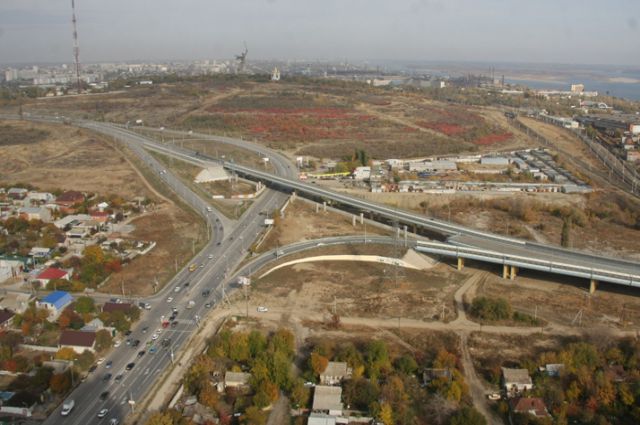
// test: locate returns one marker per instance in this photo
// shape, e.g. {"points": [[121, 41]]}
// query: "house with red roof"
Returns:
{"points": [[99, 216], [51, 273], [68, 199], [78, 341], [530, 405]]}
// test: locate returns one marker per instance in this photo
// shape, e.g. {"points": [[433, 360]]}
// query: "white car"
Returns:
{"points": [[102, 413], [177, 289], [262, 309], [117, 343], [169, 299], [210, 256], [100, 361], [154, 336]]}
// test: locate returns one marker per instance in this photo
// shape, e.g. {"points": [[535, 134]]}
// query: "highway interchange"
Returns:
{"points": [[227, 247]]}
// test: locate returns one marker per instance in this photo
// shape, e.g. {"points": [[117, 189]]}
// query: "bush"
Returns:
{"points": [[490, 309]]}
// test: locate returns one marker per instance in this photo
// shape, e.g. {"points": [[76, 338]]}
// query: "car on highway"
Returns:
{"points": [[262, 309], [218, 244], [92, 369], [129, 366], [103, 412], [208, 305], [127, 333], [169, 299], [100, 361], [174, 310], [186, 284], [135, 343], [174, 323], [104, 395], [192, 267], [118, 377], [145, 329], [153, 349], [177, 289], [114, 421], [117, 343], [108, 364], [206, 292], [107, 377], [154, 336], [141, 353], [210, 257]]}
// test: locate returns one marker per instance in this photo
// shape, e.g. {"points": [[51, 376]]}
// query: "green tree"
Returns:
{"points": [[467, 416], [254, 416], [283, 341], [257, 343], [160, 418], [377, 358], [85, 305], [406, 364], [299, 393], [239, 347]]}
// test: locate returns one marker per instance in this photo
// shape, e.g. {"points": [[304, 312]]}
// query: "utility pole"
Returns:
{"points": [[122, 286], [76, 46]]}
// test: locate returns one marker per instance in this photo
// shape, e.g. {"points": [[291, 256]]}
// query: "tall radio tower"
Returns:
{"points": [[76, 47]]}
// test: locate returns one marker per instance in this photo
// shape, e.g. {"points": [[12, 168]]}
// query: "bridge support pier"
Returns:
{"points": [[361, 218], [593, 284], [514, 272], [324, 207], [505, 271], [460, 263]]}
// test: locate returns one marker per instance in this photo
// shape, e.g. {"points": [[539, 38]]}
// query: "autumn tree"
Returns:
{"points": [[208, 396], [103, 340], [386, 414], [254, 416], [65, 353], [160, 418], [60, 383], [467, 416], [299, 393], [319, 363]]}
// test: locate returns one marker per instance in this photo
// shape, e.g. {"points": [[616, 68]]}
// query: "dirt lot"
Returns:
{"points": [[491, 351], [325, 120], [359, 289], [560, 300], [301, 222], [69, 159]]}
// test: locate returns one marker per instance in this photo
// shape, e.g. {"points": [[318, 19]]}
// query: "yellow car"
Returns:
{"points": [[192, 267]]}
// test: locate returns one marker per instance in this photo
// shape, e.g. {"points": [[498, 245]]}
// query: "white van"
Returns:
{"points": [[67, 407]]}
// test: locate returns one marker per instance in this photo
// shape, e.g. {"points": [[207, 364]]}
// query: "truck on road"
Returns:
{"points": [[191, 304]]}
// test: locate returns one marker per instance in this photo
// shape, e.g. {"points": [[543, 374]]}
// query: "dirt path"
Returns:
{"points": [[280, 412], [477, 388]]}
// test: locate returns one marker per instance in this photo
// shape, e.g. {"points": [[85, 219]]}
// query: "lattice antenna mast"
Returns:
{"points": [[76, 47]]}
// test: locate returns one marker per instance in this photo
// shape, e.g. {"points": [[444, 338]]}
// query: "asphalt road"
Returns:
{"points": [[227, 248]]}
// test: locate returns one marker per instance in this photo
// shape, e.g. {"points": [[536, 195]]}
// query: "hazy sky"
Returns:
{"points": [[564, 31]]}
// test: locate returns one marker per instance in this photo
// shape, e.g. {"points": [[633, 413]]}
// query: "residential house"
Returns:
{"points": [[17, 193], [335, 373], [39, 253], [100, 217], [10, 269], [35, 213], [79, 341], [516, 381], [102, 206], [93, 326], [18, 302], [71, 220], [238, 380], [530, 405], [554, 369], [68, 199], [5, 318], [55, 302], [110, 307], [429, 375], [615, 373], [39, 198], [51, 273], [321, 419], [327, 399]]}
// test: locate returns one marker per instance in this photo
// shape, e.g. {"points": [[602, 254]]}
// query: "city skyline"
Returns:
{"points": [[357, 30]]}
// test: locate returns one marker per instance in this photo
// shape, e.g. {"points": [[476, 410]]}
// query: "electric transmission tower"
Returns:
{"points": [[76, 47]]}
